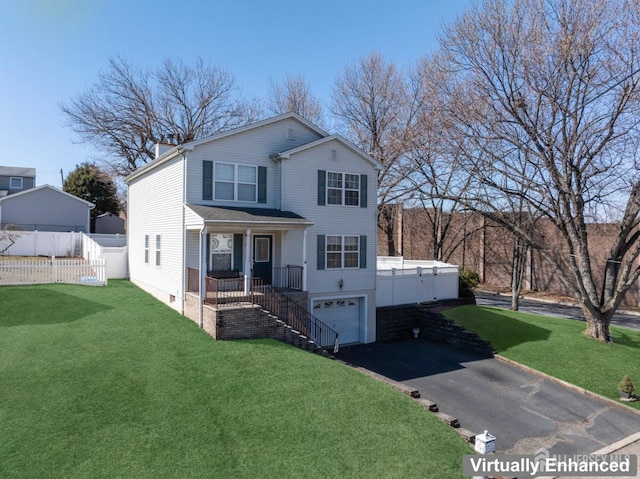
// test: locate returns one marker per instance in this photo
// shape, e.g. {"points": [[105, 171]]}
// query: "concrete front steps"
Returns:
{"points": [[289, 335]]}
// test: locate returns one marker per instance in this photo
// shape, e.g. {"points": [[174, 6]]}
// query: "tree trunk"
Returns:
{"points": [[598, 325], [517, 272]]}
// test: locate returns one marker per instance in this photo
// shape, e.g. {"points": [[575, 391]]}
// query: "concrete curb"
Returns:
{"points": [[567, 384]]}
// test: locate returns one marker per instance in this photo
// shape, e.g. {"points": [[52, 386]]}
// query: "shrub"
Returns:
{"points": [[467, 280], [626, 386]]}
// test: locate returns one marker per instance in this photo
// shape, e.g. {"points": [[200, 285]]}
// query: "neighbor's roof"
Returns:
{"points": [[39, 188], [256, 216], [17, 171]]}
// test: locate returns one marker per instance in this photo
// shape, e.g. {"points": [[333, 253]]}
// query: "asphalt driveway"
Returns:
{"points": [[526, 412]]}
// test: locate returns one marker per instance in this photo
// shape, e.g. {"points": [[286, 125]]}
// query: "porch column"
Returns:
{"points": [[247, 262], [304, 260], [203, 273]]}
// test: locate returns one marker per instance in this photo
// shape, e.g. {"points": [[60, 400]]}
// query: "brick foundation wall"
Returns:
{"points": [[191, 307], [246, 321]]}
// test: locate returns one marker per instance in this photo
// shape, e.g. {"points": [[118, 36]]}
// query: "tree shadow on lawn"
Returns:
{"points": [[504, 331], [27, 307], [621, 337]]}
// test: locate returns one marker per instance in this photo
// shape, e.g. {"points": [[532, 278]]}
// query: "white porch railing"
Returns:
{"points": [[52, 270]]}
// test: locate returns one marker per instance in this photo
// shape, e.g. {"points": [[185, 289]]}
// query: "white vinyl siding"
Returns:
{"points": [[155, 209], [301, 185]]}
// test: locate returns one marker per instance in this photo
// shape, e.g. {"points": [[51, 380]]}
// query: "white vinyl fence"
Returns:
{"points": [[110, 248], [46, 243], [52, 270], [406, 282]]}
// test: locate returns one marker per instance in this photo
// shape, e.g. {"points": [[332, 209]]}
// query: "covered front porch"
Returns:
{"points": [[231, 251]]}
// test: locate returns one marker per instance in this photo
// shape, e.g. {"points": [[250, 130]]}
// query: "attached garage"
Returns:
{"points": [[341, 314]]}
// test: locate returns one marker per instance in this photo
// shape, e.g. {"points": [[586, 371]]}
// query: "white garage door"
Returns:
{"points": [[342, 314]]}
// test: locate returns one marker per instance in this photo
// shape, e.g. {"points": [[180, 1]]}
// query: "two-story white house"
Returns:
{"points": [[280, 200]]}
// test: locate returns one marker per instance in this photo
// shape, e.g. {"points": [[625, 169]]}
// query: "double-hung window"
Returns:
{"points": [[343, 189], [236, 182], [343, 252]]}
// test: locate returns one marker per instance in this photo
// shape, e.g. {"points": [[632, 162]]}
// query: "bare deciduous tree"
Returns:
{"points": [[8, 237], [545, 95], [374, 109], [129, 109], [294, 94], [437, 185]]}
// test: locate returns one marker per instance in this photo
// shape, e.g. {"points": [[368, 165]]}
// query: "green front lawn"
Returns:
{"points": [[557, 347], [107, 382]]}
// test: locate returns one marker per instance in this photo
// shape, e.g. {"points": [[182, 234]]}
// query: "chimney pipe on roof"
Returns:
{"points": [[162, 148]]}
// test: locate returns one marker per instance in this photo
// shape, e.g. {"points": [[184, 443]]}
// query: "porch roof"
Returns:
{"points": [[238, 216]]}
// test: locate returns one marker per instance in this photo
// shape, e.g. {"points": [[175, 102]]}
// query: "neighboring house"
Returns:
{"points": [[14, 179], [108, 223], [257, 200], [45, 208]]}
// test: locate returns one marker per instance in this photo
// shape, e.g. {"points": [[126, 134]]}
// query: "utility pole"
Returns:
{"points": [[61, 178]]}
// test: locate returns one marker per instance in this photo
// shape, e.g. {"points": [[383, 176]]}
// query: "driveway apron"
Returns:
{"points": [[525, 411]]}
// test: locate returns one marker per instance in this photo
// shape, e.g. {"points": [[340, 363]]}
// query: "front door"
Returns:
{"points": [[262, 257]]}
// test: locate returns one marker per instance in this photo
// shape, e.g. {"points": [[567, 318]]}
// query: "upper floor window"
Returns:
{"points": [[235, 182], [343, 189], [15, 183]]}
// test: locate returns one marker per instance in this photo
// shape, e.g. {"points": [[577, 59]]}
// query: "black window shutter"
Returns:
{"points": [[321, 247], [322, 187], [363, 191], [237, 252], [207, 180], [363, 251], [262, 184]]}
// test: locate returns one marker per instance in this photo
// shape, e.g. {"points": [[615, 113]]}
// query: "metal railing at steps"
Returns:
{"points": [[294, 315], [230, 292]]}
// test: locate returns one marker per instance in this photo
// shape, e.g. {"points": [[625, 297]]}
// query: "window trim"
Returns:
{"points": [[343, 188], [342, 251], [11, 187], [236, 182]]}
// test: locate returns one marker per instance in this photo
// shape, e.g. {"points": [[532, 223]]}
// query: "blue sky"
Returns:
{"points": [[52, 50]]}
